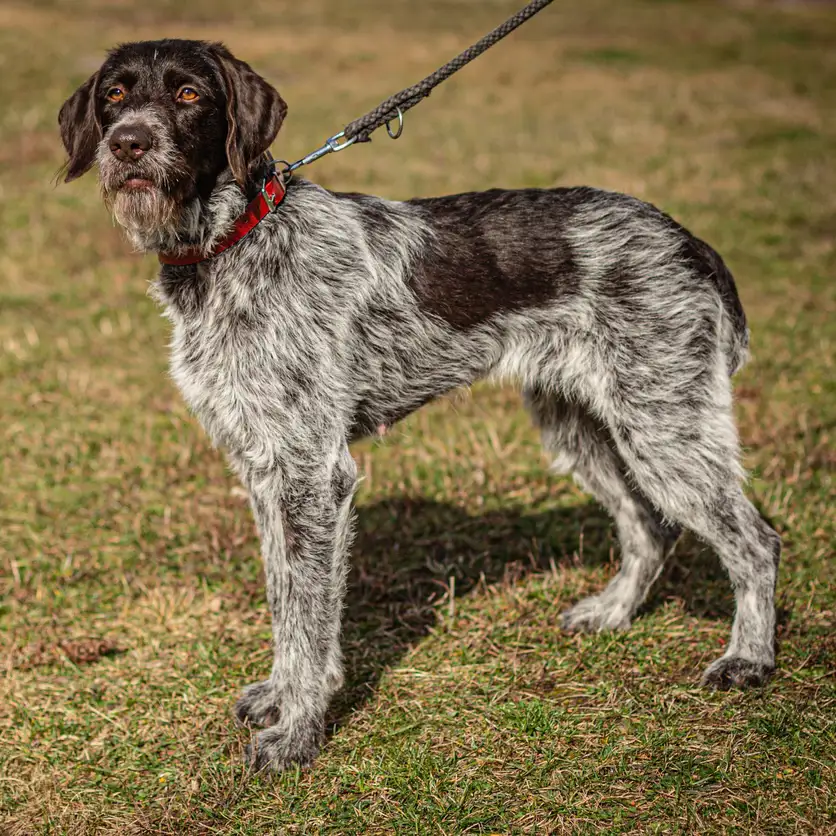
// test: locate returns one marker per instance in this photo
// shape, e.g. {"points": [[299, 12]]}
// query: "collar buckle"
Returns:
{"points": [[269, 198]]}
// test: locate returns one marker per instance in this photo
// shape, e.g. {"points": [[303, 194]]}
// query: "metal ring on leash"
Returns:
{"points": [[400, 126]]}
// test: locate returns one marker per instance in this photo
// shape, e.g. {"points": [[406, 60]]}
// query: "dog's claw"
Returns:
{"points": [[277, 747], [272, 750], [257, 705], [593, 615], [734, 672]]}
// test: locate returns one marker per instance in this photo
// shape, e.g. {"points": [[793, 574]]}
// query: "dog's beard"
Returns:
{"points": [[145, 211], [151, 212]]}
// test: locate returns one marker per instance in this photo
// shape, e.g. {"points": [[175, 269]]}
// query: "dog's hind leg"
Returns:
{"points": [[580, 445], [682, 453]]}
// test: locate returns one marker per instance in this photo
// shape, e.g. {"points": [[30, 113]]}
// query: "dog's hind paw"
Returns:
{"points": [[258, 705], [595, 614], [734, 672], [276, 750]]}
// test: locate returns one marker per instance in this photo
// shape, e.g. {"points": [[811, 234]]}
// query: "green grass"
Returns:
{"points": [[131, 603]]}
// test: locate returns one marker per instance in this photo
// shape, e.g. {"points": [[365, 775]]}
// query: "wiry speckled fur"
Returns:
{"points": [[338, 313]]}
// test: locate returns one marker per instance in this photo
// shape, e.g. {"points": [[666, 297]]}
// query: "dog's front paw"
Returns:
{"points": [[734, 672], [258, 705], [277, 749], [594, 614]]}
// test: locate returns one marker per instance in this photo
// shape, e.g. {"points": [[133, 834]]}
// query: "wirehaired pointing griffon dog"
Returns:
{"points": [[304, 319]]}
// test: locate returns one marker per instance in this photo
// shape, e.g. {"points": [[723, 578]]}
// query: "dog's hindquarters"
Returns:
{"points": [[625, 357], [639, 406]]}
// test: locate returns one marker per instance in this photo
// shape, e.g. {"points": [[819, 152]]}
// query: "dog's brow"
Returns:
{"points": [[175, 76], [119, 75]]}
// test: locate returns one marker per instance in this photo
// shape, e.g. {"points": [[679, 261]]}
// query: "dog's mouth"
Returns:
{"points": [[130, 183], [138, 184]]}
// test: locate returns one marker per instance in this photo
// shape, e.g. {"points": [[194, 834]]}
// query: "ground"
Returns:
{"points": [[131, 603]]}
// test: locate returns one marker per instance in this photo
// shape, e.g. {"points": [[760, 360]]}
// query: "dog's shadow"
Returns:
{"points": [[406, 551]]}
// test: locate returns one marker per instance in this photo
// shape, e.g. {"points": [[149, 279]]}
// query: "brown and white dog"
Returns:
{"points": [[339, 313]]}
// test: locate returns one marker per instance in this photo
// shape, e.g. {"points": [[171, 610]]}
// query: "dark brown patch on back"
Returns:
{"points": [[496, 252]]}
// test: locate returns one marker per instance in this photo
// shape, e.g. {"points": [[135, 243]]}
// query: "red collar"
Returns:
{"points": [[271, 195]]}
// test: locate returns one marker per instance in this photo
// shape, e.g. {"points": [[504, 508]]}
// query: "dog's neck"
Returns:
{"points": [[202, 221]]}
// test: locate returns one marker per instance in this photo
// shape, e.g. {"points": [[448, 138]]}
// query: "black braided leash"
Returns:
{"points": [[394, 107], [403, 101]]}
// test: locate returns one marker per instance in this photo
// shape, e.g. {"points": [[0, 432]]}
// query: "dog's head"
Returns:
{"points": [[163, 119]]}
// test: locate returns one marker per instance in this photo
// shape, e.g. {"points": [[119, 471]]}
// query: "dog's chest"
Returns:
{"points": [[239, 372], [202, 363]]}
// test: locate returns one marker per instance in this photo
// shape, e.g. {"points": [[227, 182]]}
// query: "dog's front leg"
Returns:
{"points": [[303, 513]]}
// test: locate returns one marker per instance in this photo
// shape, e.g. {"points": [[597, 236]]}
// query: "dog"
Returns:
{"points": [[337, 314]]}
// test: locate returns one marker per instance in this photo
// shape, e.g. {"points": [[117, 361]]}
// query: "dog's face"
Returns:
{"points": [[163, 119]]}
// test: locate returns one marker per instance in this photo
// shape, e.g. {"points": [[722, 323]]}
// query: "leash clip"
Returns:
{"points": [[332, 145]]}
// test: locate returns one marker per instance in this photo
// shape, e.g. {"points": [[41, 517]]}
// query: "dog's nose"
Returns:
{"points": [[129, 143]]}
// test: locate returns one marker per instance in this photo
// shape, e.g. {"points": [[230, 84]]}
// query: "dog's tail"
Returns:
{"points": [[734, 332]]}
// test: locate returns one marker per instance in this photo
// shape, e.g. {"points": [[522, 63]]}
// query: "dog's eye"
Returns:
{"points": [[115, 94], [187, 94]]}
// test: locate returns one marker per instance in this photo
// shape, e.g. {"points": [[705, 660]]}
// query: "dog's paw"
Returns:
{"points": [[734, 672], [595, 614], [275, 749], [258, 705]]}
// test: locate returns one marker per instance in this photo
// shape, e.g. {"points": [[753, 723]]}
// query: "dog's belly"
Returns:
{"points": [[412, 366], [373, 416]]}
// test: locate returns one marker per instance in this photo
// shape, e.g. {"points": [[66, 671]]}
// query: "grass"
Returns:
{"points": [[131, 603]]}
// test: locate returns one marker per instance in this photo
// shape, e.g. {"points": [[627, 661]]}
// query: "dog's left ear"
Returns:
{"points": [[81, 130], [254, 111]]}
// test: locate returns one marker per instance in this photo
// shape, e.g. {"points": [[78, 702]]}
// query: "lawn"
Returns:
{"points": [[131, 602]]}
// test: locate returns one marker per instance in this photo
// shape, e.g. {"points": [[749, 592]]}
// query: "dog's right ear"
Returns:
{"points": [[81, 130]]}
